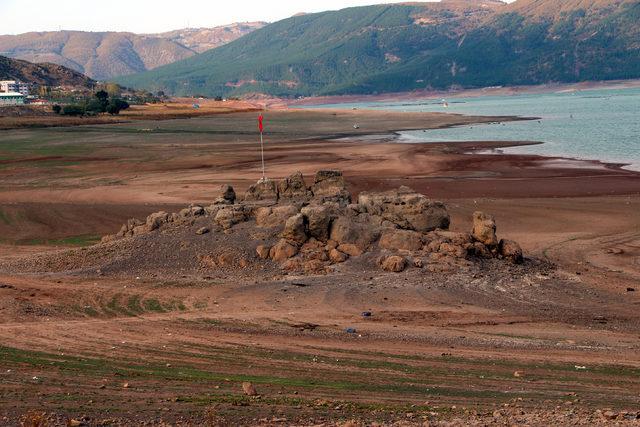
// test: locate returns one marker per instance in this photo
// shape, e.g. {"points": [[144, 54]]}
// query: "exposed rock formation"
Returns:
{"points": [[484, 229], [294, 187], [406, 209], [226, 196], [402, 228], [262, 191]]}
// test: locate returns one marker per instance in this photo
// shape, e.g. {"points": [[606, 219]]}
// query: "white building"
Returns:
{"points": [[14, 86], [11, 98]]}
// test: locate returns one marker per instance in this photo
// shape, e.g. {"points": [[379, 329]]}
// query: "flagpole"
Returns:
{"points": [[262, 151]]}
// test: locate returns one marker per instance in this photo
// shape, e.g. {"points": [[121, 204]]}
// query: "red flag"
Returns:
{"points": [[260, 126]]}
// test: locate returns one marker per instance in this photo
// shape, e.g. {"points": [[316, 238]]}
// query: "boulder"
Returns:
{"points": [[129, 228], [406, 209], [510, 250], [480, 250], [294, 187], [346, 231], [283, 250], [329, 185], [263, 251], [202, 230], [264, 191], [274, 216], [191, 211], [295, 229], [401, 240], [319, 220], [229, 216], [156, 220], [351, 249], [394, 263], [453, 250], [226, 195], [484, 229], [337, 257]]}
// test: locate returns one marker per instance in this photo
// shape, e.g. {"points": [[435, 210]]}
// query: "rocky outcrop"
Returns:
{"points": [[265, 191], [329, 186], [484, 229], [394, 263], [510, 250], [406, 209], [156, 220], [318, 219], [345, 231], [226, 195], [403, 228], [228, 216], [295, 229], [294, 187], [401, 240], [283, 250], [274, 216]]}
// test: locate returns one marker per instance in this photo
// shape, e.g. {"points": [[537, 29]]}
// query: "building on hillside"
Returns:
{"points": [[11, 98], [14, 86]]}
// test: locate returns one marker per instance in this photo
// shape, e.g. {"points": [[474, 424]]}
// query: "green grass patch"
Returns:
{"points": [[154, 305], [83, 240]]}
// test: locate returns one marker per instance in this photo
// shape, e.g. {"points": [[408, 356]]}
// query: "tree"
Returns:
{"points": [[73, 110], [113, 90], [116, 105], [96, 106]]}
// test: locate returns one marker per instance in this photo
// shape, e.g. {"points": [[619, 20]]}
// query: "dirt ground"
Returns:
{"points": [[554, 345]]}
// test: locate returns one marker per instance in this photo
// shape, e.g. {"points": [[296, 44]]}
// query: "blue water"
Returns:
{"points": [[591, 125]]}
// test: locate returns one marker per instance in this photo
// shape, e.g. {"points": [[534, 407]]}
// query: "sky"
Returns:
{"points": [[150, 16]]}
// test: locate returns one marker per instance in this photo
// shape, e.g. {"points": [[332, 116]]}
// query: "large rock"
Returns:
{"points": [[319, 220], [337, 257], [329, 186], [406, 209], [191, 211], [294, 187], [484, 229], [295, 229], [129, 229], [156, 220], [274, 216], [346, 231], [229, 216], [394, 264], [226, 195], [263, 191], [283, 250], [510, 250], [401, 240]]}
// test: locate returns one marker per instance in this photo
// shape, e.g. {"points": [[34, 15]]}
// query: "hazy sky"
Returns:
{"points": [[145, 16]]}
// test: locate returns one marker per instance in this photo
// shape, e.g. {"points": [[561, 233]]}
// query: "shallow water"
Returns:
{"points": [[592, 124]]}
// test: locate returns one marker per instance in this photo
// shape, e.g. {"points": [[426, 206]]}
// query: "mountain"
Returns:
{"points": [[109, 54], [202, 39], [42, 74], [412, 46]]}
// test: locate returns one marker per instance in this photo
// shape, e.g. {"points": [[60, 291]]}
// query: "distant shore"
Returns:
{"points": [[487, 91]]}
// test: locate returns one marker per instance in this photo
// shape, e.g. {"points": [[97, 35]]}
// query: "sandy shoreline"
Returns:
{"points": [[488, 91]]}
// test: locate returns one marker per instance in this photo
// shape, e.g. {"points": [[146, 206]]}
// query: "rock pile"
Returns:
{"points": [[313, 228]]}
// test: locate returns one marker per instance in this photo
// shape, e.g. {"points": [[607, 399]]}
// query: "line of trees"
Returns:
{"points": [[101, 102]]}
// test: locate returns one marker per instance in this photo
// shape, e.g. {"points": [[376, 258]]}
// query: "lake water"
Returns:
{"points": [[590, 125]]}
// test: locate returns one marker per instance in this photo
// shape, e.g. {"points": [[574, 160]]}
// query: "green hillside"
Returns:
{"points": [[388, 48]]}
